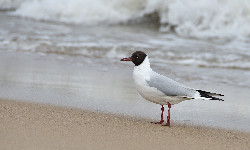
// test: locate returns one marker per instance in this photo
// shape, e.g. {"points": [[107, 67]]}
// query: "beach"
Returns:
{"points": [[63, 86], [36, 126]]}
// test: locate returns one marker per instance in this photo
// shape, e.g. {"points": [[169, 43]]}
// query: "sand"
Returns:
{"points": [[35, 126]]}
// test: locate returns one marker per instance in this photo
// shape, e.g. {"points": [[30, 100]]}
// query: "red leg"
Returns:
{"points": [[161, 121], [168, 118]]}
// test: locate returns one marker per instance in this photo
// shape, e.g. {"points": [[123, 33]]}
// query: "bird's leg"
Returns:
{"points": [[161, 121], [168, 118]]}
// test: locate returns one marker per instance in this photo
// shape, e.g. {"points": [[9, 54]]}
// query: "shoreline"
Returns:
{"points": [[27, 125], [44, 79]]}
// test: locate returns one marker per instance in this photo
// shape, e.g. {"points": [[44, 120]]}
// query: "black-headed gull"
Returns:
{"points": [[162, 90]]}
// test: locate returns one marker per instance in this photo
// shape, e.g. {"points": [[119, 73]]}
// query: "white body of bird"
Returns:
{"points": [[174, 92]]}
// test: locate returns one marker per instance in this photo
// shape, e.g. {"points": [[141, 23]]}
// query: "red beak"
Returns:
{"points": [[126, 59]]}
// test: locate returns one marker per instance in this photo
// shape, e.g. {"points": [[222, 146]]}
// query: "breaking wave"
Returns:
{"points": [[204, 19]]}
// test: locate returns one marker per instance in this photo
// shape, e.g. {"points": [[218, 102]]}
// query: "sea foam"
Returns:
{"points": [[205, 19]]}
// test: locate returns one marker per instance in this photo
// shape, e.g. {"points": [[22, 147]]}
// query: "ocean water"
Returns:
{"points": [[203, 19], [67, 53]]}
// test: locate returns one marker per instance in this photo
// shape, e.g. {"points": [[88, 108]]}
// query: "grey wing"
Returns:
{"points": [[169, 86]]}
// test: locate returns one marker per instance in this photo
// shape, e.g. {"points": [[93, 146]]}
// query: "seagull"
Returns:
{"points": [[160, 89]]}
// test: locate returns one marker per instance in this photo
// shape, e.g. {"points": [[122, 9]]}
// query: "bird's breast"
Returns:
{"points": [[149, 93]]}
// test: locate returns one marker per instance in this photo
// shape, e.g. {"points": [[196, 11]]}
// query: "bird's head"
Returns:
{"points": [[137, 58]]}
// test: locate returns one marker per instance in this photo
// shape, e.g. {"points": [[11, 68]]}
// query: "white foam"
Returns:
{"points": [[10, 4], [207, 19], [210, 18], [80, 11]]}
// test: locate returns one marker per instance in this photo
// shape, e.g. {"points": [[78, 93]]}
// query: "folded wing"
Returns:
{"points": [[169, 86]]}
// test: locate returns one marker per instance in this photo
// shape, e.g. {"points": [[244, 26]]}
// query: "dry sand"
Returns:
{"points": [[35, 126]]}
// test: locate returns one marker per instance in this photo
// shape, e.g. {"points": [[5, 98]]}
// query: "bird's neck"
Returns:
{"points": [[143, 69]]}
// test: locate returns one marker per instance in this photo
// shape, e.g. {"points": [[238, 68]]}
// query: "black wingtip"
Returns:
{"points": [[210, 95]]}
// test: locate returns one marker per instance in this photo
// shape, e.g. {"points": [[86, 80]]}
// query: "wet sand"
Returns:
{"points": [[35, 126], [44, 79]]}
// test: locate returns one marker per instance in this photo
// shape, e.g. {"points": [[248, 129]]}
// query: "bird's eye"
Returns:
{"points": [[137, 56]]}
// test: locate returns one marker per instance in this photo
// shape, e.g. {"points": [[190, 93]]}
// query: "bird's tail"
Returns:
{"points": [[209, 95]]}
